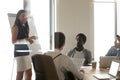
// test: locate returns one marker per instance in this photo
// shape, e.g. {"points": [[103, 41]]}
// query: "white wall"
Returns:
{"points": [[73, 17]]}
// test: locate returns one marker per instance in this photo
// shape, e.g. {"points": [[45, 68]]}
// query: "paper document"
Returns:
{"points": [[78, 62]]}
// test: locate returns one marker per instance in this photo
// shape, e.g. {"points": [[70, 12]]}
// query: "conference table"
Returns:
{"points": [[89, 72]]}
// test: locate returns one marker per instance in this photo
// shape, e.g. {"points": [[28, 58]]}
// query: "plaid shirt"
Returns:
{"points": [[113, 51]]}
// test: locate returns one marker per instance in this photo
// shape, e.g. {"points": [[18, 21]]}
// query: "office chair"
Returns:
{"points": [[44, 67]]}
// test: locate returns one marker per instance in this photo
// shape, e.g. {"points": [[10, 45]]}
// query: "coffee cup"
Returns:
{"points": [[94, 64]]}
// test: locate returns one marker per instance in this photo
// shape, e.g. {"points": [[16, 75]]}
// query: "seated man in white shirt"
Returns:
{"points": [[62, 61]]}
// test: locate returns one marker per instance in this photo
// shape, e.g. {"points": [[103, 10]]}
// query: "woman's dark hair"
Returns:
{"points": [[17, 21], [81, 36], [59, 39]]}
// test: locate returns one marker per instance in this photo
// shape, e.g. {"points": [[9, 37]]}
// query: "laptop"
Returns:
{"points": [[112, 72], [78, 62], [105, 61]]}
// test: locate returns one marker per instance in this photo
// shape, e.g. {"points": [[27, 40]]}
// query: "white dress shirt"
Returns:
{"points": [[64, 61]]}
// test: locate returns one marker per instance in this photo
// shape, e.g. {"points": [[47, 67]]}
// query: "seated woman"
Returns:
{"points": [[79, 51]]}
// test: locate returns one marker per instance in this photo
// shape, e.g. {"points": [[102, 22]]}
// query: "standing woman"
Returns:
{"points": [[21, 40]]}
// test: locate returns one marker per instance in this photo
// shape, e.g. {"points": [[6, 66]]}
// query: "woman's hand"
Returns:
{"points": [[30, 40], [33, 37]]}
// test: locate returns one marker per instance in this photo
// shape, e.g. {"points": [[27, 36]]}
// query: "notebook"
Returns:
{"points": [[78, 62], [112, 72]]}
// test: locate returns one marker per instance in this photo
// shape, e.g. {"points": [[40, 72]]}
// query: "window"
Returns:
{"points": [[104, 1], [118, 17], [104, 26], [6, 47], [43, 14]]}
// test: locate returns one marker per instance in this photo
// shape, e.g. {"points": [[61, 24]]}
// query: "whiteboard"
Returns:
{"points": [[11, 18]]}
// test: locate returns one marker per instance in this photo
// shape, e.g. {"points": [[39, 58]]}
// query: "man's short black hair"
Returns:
{"points": [[59, 39], [81, 36]]}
